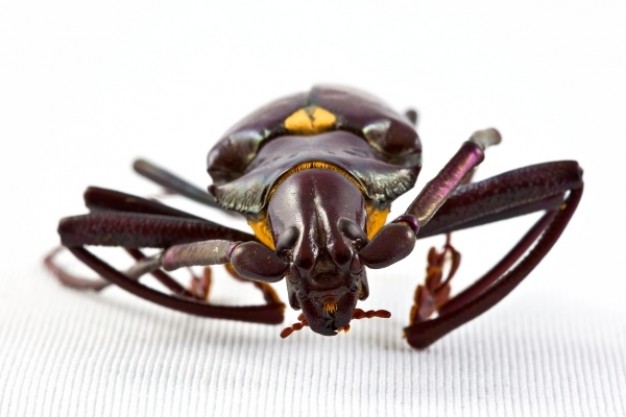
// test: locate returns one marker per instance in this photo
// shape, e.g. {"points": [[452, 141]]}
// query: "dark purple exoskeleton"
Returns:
{"points": [[315, 174]]}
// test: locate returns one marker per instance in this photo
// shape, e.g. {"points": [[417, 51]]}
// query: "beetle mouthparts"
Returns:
{"points": [[357, 314], [330, 306]]}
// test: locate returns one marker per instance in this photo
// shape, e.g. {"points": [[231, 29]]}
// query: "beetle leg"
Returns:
{"points": [[511, 194], [435, 292], [174, 183], [455, 173], [99, 199], [554, 187], [70, 280], [90, 284], [132, 222], [137, 230], [183, 238], [402, 232], [413, 116], [199, 287], [268, 314], [269, 294], [199, 291]]}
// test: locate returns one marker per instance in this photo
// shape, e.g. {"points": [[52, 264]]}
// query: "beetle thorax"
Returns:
{"points": [[325, 276]]}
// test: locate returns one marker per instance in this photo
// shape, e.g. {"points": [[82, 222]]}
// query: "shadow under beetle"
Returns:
{"points": [[314, 174]]}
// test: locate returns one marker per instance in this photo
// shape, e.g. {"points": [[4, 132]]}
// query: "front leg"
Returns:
{"points": [[142, 223], [396, 240], [554, 187], [250, 259], [268, 313], [447, 204]]}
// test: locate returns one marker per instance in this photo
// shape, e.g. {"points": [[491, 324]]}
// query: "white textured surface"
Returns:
{"points": [[78, 355], [85, 88]]}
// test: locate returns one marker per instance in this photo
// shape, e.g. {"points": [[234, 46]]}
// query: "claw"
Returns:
{"points": [[435, 292]]}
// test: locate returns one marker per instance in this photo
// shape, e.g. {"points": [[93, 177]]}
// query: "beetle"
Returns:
{"points": [[314, 174]]}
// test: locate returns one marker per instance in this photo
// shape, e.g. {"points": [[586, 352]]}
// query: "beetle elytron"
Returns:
{"points": [[314, 174]]}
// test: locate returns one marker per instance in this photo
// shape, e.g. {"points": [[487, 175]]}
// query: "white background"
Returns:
{"points": [[86, 87]]}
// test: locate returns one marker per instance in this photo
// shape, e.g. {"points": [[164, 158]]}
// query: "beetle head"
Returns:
{"points": [[318, 219], [309, 213], [328, 290]]}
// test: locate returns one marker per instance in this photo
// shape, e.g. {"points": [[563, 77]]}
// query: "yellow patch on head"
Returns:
{"points": [[310, 121]]}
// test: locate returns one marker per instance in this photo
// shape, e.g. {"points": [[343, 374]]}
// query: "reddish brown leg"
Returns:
{"points": [[71, 280], [170, 283], [268, 314], [269, 294], [192, 302], [199, 285], [555, 187], [132, 222], [102, 199], [435, 292]]}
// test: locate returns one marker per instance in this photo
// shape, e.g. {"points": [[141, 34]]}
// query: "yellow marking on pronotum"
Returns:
{"points": [[376, 219], [315, 165], [261, 229], [310, 121]]}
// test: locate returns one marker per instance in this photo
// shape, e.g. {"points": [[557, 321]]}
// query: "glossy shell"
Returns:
{"points": [[342, 127]]}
